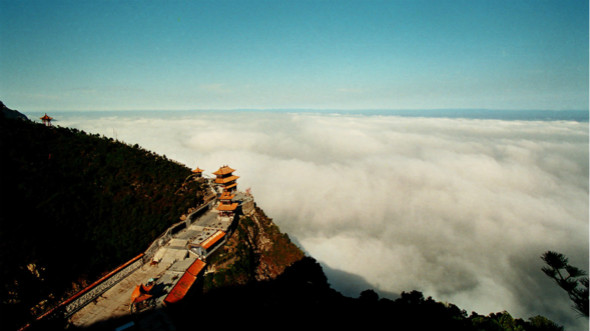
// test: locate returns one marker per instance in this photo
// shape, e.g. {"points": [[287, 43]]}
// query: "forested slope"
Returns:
{"points": [[75, 205]]}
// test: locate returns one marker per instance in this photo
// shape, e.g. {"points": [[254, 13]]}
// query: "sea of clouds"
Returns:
{"points": [[460, 209]]}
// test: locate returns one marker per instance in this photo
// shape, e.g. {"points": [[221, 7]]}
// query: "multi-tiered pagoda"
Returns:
{"points": [[227, 207], [226, 179]]}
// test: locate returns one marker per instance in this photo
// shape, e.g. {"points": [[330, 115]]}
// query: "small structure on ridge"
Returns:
{"points": [[46, 119], [198, 172]]}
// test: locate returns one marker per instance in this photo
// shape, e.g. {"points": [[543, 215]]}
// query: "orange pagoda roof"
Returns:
{"points": [[227, 187], [224, 171], [198, 170], [227, 207], [46, 117], [226, 196], [226, 180]]}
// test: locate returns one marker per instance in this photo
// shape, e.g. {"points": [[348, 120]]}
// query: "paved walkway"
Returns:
{"points": [[116, 301], [174, 259]]}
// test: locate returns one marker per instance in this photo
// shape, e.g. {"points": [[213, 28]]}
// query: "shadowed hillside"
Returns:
{"points": [[74, 206], [302, 298]]}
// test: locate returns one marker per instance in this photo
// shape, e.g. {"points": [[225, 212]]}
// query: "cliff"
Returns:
{"points": [[257, 251]]}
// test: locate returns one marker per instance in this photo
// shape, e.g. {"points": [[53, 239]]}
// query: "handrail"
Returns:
{"points": [[87, 289], [147, 254]]}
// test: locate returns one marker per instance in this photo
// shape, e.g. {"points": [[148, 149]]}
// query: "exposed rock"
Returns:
{"points": [[256, 251]]}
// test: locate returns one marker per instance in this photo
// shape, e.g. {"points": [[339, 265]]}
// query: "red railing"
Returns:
{"points": [[85, 290]]}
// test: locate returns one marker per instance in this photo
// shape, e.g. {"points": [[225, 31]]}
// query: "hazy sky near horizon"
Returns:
{"points": [[131, 55]]}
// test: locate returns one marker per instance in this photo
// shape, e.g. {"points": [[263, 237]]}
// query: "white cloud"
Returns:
{"points": [[459, 209]]}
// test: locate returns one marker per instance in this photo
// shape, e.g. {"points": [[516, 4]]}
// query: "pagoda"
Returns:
{"points": [[198, 172], [46, 119], [226, 179], [227, 207]]}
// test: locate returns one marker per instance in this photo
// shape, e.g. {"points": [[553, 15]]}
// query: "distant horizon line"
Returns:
{"points": [[452, 113], [313, 109]]}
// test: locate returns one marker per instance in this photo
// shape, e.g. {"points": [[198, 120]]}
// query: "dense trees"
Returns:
{"points": [[74, 206]]}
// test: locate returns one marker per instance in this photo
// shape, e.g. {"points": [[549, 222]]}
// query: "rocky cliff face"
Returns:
{"points": [[256, 251]]}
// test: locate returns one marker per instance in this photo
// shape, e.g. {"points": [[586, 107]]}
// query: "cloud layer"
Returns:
{"points": [[459, 209]]}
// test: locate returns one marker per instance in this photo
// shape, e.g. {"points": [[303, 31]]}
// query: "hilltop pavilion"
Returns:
{"points": [[198, 172], [46, 119]]}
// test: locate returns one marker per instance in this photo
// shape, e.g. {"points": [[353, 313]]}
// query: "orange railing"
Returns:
{"points": [[88, 288]]}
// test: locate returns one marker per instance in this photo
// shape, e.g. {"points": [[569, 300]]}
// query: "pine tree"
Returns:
{"points": [[572, 279]]}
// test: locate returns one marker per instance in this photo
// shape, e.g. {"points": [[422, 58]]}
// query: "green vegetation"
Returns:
{"points": [[571, 279], [75, 206]]}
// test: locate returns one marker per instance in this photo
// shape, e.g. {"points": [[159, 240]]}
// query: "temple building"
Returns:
{"points": [[226, 179], [46, 119], [207, 243], [227, 207], [198, 172]]}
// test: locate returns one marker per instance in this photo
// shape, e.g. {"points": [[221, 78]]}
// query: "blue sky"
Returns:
{"points": [[133, 55]]}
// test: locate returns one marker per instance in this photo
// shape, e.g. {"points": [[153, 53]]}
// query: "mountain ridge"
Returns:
{"points": [[11, 113]]}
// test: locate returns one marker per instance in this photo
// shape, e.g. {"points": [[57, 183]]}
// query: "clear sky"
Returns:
{"points": [[131, 55]]}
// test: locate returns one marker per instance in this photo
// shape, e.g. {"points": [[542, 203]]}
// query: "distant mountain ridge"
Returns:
{"points": [[11, 113]]}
